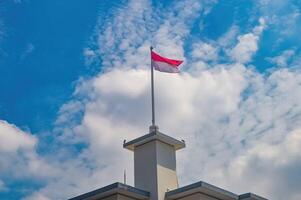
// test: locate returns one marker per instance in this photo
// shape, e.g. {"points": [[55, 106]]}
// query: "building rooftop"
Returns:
{"points": [[115, 188], [201, 187], [154, 135], [251, 196], [198, 187], [210, 190]]}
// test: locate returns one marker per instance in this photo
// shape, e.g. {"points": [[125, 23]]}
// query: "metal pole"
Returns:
{"points": [[124, 176], [152, 91]]}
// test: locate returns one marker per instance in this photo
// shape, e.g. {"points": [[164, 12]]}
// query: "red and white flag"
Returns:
{"points": [[163, 64]]}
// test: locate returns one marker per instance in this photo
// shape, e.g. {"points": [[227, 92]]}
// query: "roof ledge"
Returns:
{"points": [[201, 187], [154, 135], [250, 196], [115, 188]]}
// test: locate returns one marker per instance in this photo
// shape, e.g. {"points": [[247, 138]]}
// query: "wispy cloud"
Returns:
{"points": [[283, 59], [2, 27], [2, 186], [283, 17], [247, 44], [28, 50]]}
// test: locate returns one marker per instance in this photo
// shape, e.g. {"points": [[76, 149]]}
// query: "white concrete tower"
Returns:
{"points": [[155, 162]]}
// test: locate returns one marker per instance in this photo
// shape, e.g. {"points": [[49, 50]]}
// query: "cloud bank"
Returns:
{"points": [[241, 127]]}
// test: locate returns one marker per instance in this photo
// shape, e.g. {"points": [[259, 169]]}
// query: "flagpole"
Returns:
{"points": [[153, 127]]}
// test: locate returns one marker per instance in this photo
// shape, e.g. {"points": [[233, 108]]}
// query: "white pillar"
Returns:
{"points": [[155, 163]]}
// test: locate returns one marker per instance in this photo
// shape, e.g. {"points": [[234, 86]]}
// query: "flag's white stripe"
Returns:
{"points": [[165, 67]]}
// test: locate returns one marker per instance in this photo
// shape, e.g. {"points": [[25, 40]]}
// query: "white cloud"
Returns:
{"points": [[260, 118], [169, 36], [115, 113], [2, 186], [229, 115], [231, 107], [89, 55], [37, 196], [283, 18], [13, 139], [283, 59], [221, 113], [244, 50], [228, 38], [223, 129], [279, 163], [247, 44], [18, 156], [205, 52], [120, 36]]}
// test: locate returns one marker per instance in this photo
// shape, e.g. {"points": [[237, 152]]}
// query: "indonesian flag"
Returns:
{"points": [[163, 64]]}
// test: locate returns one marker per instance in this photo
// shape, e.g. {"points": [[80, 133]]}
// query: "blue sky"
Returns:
{"points": [[74, 81], [37, 46]]}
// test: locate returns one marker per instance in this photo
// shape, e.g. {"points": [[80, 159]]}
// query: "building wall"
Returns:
{"points": [[112, 197], [155, 168], [117, 197], [122, 197], [166, 169], [145, 168], [198, 196]]}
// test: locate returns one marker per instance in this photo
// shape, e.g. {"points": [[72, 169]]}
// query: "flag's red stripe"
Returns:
{"points": [[159, 58]]}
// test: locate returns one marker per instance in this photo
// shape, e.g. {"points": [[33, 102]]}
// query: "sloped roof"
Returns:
{"points": [[115, 188], [201, 187], [210, 190], [251, 196]]}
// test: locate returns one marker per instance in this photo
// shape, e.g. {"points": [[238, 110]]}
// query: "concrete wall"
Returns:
{"points": [[197, 196], [112, 197], [117, 197], [145, 168], [166, 169], [122, 197], [155, 168]]}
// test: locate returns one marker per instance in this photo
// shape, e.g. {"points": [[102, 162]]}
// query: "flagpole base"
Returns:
{"points": [[153, 128]]}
